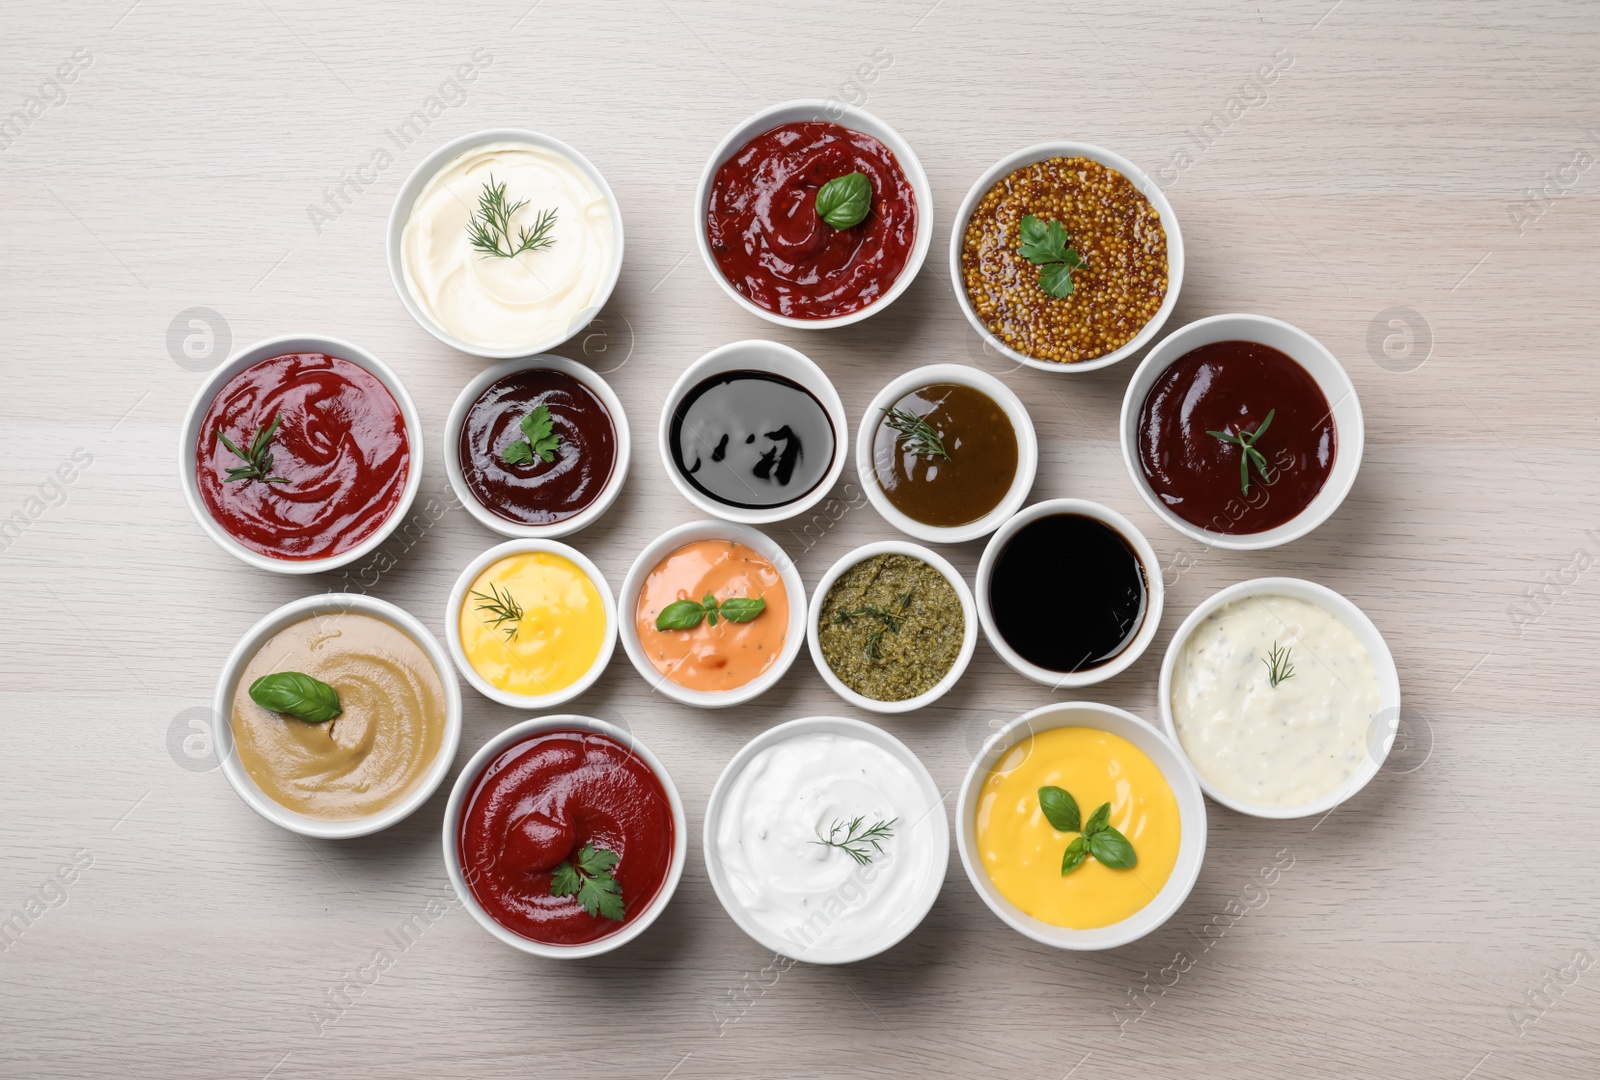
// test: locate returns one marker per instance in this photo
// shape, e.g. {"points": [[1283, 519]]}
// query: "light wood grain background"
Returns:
{"points": [[1443, 924]]}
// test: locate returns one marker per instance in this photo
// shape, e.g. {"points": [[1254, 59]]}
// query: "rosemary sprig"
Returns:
{"points": [[1278, 666], [500, 609], [890, 621], [916, 434], [858, 843], [1246, 442], [258, 459], [490, 227]]}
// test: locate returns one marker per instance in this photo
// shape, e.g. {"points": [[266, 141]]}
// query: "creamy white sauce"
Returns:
{"points": [[533, 297], [816, 897], [1275, 746]]}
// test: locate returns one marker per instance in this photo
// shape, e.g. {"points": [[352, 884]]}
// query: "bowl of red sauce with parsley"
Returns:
{"points": [[811, 214], [565, 837], [301, 454]]}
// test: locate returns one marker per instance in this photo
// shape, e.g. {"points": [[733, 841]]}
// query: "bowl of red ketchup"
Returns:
{"points": [[765, 238], [301, 454], [565, 837]]}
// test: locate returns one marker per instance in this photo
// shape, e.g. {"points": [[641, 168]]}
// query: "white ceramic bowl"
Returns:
{"points": [[424, 172], [1147, 187], [694, 532], [250, 644], [462, 791], [969, 629], [188, 441], [961, 375], [1305, 350], [1155, 593], [807, 109], [458, 417], [1174, 769], [826, 725], [458, 596], [1379, 737], [767, 356]]}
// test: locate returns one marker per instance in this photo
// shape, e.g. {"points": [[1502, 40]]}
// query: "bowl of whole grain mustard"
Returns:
{"points": [[1067, 257]]}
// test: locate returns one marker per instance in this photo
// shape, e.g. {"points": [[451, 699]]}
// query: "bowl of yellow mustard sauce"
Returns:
{"points": [[1081, 826]]}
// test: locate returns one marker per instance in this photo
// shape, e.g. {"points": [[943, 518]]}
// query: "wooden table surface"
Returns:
{"points": [[1414, 187]]}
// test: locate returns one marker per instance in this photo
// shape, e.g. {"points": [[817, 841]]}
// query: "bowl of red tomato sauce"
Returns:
{"points": [[565, 837], [301, 454], [812, 214]]}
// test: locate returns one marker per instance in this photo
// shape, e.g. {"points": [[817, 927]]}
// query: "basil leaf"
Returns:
{"points": [[1077, 851], [1098, 820], [1112, 849], [1056, 279], [518, 453], [845, 200], [297, 694], [709, 602], [741, 608], [1060, 809], [680, 615]]}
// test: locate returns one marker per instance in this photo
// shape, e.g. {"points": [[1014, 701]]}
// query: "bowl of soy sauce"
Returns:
{"points": [[1069, 593]]}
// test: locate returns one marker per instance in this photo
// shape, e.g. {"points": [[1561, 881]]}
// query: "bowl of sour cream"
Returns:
{"points": [[505, 243], [1282, 695], [826, 840]]}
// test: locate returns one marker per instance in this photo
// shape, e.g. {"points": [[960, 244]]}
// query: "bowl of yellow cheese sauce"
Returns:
{"points": [[1014, 852], [531, 623]]}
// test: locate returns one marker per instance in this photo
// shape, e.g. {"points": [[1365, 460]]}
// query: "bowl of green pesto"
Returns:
{"points": [[892, 627]]}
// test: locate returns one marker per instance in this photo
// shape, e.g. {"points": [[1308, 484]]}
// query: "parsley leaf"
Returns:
{"points": [[1046, 247], [539, 439], [592, 880]]}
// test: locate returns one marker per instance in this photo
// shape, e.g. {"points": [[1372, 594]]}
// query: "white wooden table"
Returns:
{"points": [[1443, 924]]}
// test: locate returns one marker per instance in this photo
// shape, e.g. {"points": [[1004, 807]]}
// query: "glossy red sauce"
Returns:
{"points": [[341, 445], [536, 805], [772, 245], [1230, 386]]}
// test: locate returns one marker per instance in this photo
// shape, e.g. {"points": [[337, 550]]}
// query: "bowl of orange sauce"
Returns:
{"points": [[736, 620]]}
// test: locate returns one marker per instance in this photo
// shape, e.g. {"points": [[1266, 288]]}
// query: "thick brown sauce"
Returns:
{"points": [[937, 491]]}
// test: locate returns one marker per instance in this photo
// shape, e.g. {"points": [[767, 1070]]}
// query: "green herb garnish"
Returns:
{"points": [[1109, 847], [890, 621], [539, 439], [258, 459], [1246, 442], [592, 880], [858, 843], [490, 228], [1046, 247], [298, 695], [686, 614], [1278, 666], [499, 609], [916, 434], [845, 200]]}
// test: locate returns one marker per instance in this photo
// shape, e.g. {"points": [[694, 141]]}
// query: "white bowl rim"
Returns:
{"points": [[1155, 593], [469, 397], [1350, 433], [1185, 873], [246, 648], [1021, 423], [425, 170], [458, 593], [248, 357], [1140, 180], [713, 363], [1337, 605], [519, 732], [691, 532], [824, 725], [854, 119], [969, 630]]}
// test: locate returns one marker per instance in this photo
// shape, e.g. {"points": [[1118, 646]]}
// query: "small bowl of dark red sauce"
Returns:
{"points": [[1242, 431], [565, 837], [801, 256], [301, 454], [537, 447], [1069, 593]]}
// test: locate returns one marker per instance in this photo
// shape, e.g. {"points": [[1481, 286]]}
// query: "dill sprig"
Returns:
{"points": [[916, 434], [858, 843], [890, 621], [490, 228], [257, 459], [500, 609], [1278, 666]]}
